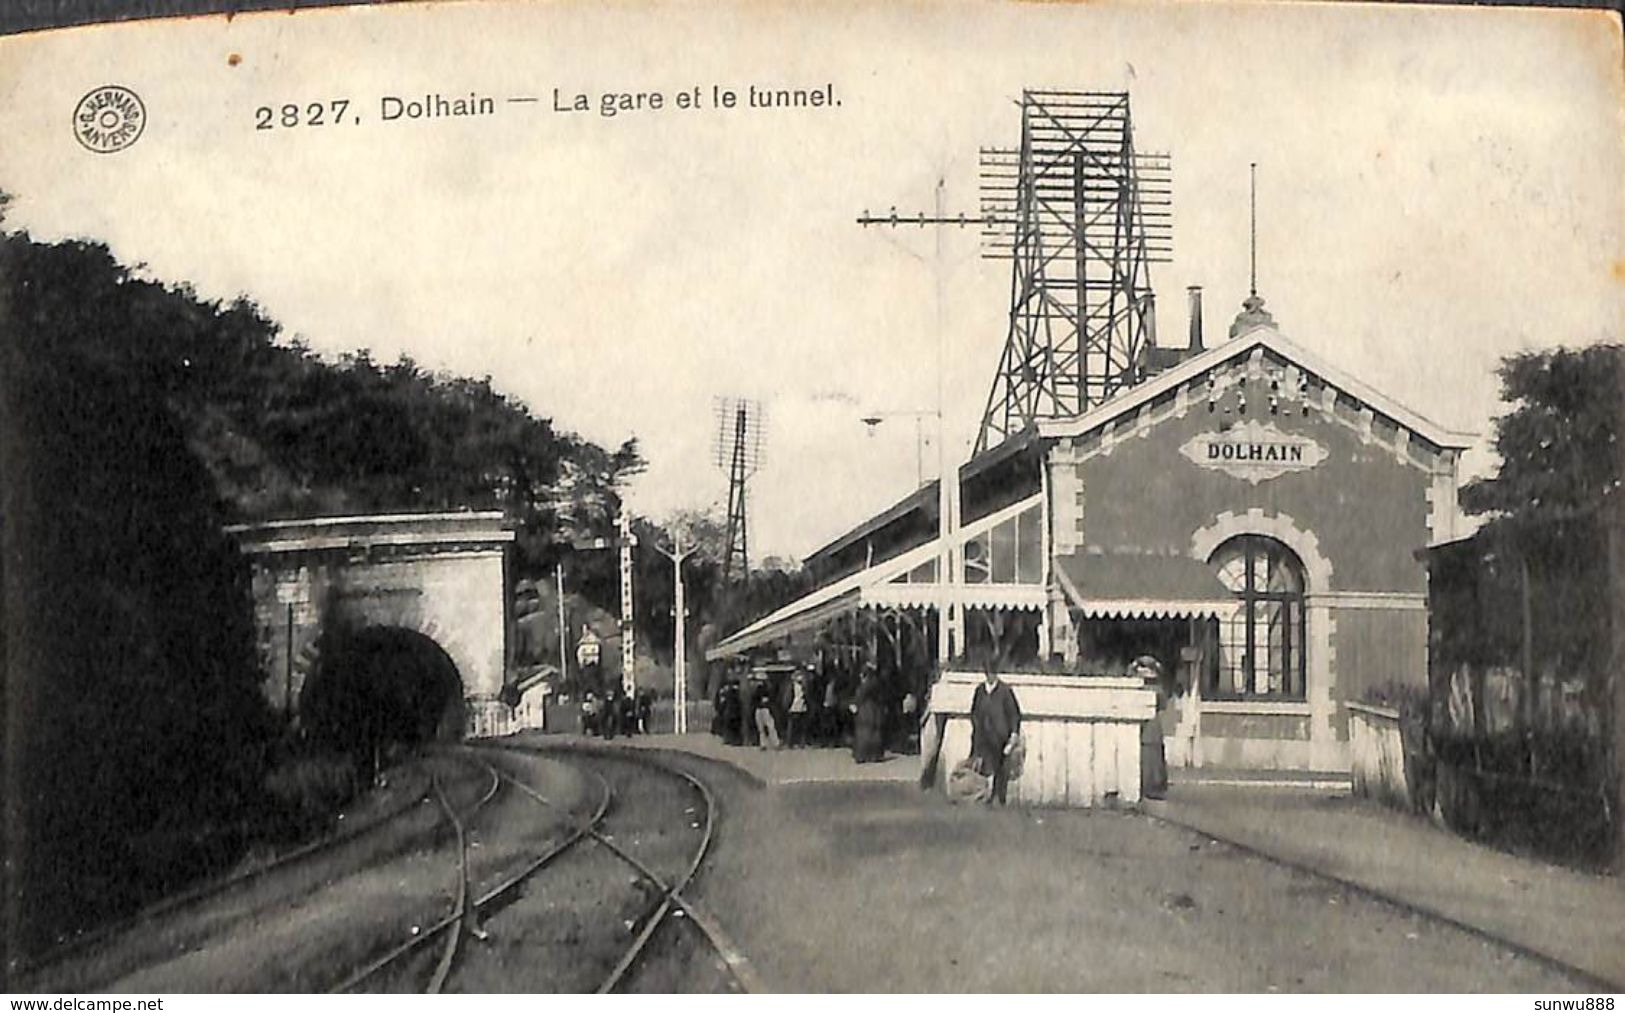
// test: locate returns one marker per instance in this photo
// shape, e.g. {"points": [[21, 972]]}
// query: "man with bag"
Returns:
{"points": [[995, 723]]}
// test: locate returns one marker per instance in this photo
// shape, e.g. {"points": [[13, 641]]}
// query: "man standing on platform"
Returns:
{"points": [[761, 705], [995, 721]]}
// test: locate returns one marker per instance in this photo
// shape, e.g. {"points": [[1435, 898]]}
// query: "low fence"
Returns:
{"points": [[1377, 755], [1521, 687], [491, 719], [1082, 735]]}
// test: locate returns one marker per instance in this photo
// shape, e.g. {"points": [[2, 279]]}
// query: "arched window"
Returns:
{"points": [[1260, 642]]}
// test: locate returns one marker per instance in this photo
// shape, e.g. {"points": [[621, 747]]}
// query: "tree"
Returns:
{"points": [[1562, 460], [135, 732], [1560, 443], [138, 420]]}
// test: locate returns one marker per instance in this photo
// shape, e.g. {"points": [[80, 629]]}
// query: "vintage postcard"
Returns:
{"points": [[508, 497]]}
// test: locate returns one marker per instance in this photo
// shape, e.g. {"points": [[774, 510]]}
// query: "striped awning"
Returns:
{"points": [[1141, 586], [1001, 597]]}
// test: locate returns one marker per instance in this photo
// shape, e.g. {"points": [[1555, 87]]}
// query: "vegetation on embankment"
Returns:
{"points": [[136, 419]]}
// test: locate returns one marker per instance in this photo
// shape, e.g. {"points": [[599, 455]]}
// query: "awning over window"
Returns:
{"points": [[1120, 585]]}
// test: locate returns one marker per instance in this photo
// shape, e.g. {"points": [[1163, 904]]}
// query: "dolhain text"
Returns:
{"points": [[434, 106]]}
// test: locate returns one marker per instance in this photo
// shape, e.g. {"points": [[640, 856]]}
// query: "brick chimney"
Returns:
{"points": [[1196, 318]]}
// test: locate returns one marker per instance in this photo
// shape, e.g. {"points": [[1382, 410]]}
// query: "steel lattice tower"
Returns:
{"points": [[1082, 216], [738, 450]]}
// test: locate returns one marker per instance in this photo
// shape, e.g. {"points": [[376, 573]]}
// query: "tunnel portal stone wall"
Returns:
{"points": [[440, 575]]}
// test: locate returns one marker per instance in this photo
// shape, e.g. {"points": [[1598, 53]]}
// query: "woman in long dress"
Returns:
{"points": [[1153, 758], [868, 740]]}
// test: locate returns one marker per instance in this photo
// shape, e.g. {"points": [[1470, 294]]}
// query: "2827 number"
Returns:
{"points": [[291, 114]]}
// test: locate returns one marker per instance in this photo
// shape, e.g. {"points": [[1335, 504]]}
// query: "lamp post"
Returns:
{"points": [[679, 664], [564, 627], [874, 419]]}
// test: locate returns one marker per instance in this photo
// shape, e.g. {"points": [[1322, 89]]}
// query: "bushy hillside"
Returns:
{"points": [[138, 420]]}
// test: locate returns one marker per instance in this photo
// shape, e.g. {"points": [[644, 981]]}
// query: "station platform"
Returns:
{"points": [[1572, 918], [812, 765], [1307, 821], [830, 765]]}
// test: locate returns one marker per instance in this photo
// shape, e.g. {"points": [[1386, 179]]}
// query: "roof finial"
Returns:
{"points": [[1252, 312], [1252, 287]]}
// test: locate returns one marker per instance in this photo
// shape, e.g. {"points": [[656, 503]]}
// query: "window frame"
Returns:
{"points": [[1276, 555]]}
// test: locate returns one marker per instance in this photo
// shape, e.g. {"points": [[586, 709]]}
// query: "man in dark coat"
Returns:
{"points": [[609, 721], [727, 722], [869, 723], [995, 720]]}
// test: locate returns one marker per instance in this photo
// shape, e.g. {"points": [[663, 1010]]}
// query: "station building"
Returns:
{"points": [[1246, 513]]}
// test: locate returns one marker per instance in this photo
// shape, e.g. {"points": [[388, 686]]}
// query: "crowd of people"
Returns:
{"points": [[607, 710], [855, 706], [789, 706]]}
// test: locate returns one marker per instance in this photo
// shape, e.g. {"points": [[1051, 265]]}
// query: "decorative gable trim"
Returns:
{"points": [[1183, 382]]}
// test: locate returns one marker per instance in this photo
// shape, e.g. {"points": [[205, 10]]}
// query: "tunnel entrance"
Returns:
{"points": [[379, 687]]}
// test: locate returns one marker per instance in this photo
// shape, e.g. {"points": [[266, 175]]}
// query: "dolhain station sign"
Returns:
{"points": [[1254, 451]]}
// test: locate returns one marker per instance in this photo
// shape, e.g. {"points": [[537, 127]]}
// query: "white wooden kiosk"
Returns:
{"points": [[1082, 735]]}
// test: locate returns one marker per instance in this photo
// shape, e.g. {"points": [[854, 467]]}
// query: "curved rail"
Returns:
{"points": [[88, 942], [671, 893], [458, 923], [443, 969], [467, 909], [457, 915]]}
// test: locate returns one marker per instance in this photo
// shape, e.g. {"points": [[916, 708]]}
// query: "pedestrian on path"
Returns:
{"points": [[995, 722], [761, 702], [795, 723], [868, 737], [1153, 755], [830, 716]]}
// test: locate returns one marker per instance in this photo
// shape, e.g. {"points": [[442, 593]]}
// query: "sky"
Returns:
{"points": [[1438, 188]]}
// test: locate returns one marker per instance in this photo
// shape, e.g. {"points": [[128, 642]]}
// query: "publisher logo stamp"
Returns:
{"points": [[109, 119]]}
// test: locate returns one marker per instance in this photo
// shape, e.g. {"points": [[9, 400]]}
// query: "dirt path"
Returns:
{"points": [[876, 887]]}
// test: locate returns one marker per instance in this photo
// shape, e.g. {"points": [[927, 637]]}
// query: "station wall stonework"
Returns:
{"points": [[1353, 493]]}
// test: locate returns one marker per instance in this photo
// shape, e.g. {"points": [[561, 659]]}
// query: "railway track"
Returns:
{"points": [[515, 910], [74, 964]]}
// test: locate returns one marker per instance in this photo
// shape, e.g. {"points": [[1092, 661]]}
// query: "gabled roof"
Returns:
{"points": [[1259, 336]]}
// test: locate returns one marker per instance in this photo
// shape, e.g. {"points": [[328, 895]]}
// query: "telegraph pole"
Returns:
{"points": [[949, 637], [950, 628], [629, 681]]}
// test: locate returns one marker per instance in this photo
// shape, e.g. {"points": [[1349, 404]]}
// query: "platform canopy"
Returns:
{"points": [[1125, 585], [909, 580]]}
